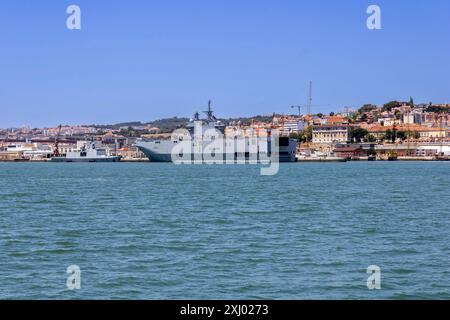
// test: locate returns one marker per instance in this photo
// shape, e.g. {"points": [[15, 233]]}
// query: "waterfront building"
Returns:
{"points": [[69, 131], [413, 118], [293, 125], [25, 150], [431, 150], [418, 149], [336, 120], [20, 147], [388, 121], [259, 129], [10, 156], [153, 130], [131, 153], [331, 133], [65, 148], [350, 152], [423, 132], [347, 112], [432, 133], [400, 150], [110, 138]]}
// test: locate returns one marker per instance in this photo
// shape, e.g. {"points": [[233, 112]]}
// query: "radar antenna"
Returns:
{"points": [[209, 112]]}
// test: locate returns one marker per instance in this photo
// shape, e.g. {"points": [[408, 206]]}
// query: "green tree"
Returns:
{"points": [[363, 117], [438, 109], [296, 135], [302, 136], [390, 135], [306, 134], [372, 152], [391, 105], [371, 138], [358, 134], [402, 135], [366, 108]]}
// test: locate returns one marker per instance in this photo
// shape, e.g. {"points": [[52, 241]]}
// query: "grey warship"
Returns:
{"points": [[158, 150], [92, 151]]}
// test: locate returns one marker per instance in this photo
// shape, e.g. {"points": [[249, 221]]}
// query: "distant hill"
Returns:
{"points": [[170, 124], [117, 125]]}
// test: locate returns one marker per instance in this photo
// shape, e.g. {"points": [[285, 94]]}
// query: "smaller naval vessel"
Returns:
{"points": [[91, 151]]}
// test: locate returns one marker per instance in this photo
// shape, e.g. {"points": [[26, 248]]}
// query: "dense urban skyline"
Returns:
{"points": [[157, 60]]}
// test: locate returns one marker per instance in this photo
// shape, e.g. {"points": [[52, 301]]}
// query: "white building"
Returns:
{"points": [[331, 133], [293, 126]]}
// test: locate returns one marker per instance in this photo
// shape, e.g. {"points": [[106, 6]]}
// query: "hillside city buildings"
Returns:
{"points": [[395, 130]]}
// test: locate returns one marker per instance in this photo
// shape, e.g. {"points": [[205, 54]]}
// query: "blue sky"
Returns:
{"points": [[144, 60]]}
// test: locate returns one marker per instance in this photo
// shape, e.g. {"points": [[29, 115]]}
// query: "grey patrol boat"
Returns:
{"points": [[158, 150], [92, 151]]}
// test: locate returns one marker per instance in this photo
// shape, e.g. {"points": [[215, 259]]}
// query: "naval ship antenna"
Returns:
{"points": [[209, 113]]}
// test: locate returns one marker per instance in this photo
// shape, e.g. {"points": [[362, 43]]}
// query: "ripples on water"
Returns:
{"points": [[159, 231]]}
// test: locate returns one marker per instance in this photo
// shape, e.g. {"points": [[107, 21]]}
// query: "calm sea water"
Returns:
{"points": [[159, 231]]}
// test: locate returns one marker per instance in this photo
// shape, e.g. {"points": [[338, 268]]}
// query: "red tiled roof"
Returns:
{"points": [[418, 128], [346, 149]]}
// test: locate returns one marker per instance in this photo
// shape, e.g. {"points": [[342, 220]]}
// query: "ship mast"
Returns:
{"points": [[209, 112]]}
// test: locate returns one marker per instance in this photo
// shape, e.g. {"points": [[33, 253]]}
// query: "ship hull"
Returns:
{"points": [[63, 159], [158, 152]]}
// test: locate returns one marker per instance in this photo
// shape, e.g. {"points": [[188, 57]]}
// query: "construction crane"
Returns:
{"points": [[56, 149], [441, 135], [309, 104], [309, 97]]}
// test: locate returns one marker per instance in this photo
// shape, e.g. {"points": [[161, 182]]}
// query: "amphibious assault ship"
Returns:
{"points": [[236, 149]]}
